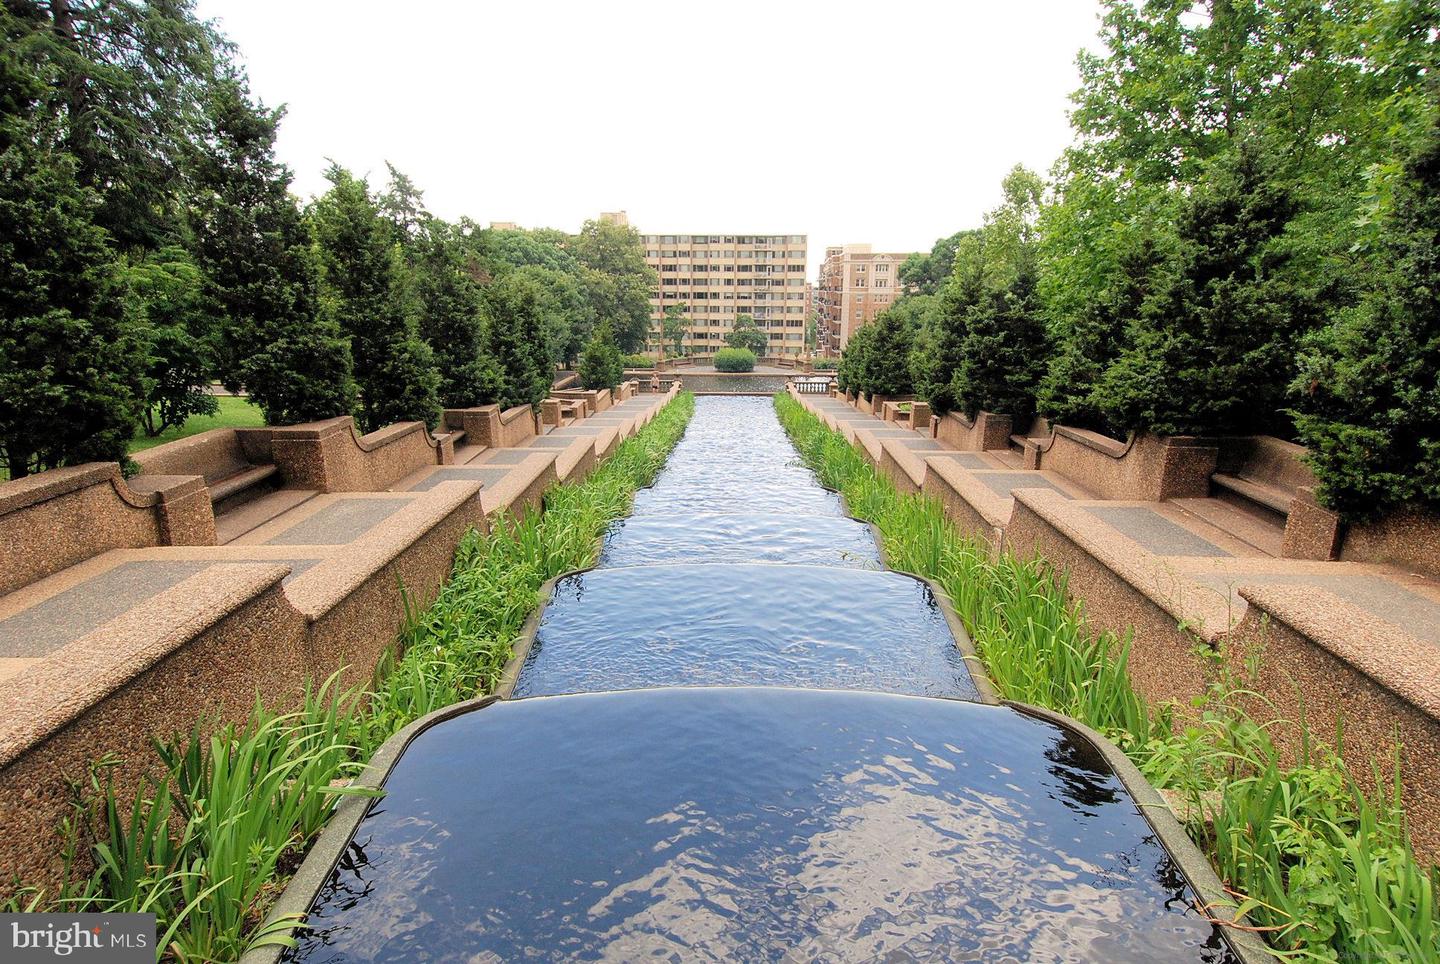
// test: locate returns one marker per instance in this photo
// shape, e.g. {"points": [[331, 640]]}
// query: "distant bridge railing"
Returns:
{"points": [[813, 384]]}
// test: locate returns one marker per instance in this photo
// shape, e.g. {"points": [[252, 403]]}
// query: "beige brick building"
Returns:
{"points": [[719, 277], [856, 284]]}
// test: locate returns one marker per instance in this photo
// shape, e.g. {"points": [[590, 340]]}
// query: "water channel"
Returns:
{"points": [[739, 737]]}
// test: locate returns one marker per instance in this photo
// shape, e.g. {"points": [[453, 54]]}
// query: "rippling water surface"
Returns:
{"points": [[760, 807], [750, 825]]}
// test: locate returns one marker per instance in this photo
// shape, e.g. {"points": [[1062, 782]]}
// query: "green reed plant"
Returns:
{"points": [[1318, 864], [212, 834]]}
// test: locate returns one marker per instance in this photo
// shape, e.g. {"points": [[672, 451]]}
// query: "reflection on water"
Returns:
{"points": [[754, 824], [723, 822]]}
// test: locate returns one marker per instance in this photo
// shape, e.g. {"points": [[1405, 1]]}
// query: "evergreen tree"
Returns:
{"points": [[1369, 387], [600, 364], [854, 362], [452, 321], [394, 368], [71, 368], [251, 242], [517, 340], [128, 82], [887, 363], [1002, 350], [1095, 337], [1213, 345], [165, 295], [939, 349]]}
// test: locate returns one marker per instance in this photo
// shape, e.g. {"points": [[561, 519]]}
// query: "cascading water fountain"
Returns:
{"points": [[751, 764]]}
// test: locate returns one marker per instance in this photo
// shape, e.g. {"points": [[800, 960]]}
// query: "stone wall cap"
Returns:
{"points": [[511, 414], [388, 434], [1392, 658], [58, 689], [1104, 444], [313, 430], [42, 486], [167, 487]]}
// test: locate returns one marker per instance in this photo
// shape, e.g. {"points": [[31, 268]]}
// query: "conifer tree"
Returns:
{"points": [[394, 368], [71, 367], [250, 240], [517, 340], [600, 364], [1212, 347], [1370, 386], [453, 321]]}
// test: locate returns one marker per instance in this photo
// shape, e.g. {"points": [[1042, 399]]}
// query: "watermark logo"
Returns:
{"points": [[108, 938]]}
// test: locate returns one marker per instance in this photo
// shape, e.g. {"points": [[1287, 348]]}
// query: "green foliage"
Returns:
{"points": [[746, 334], [517, 340], [394, 368], [926, 274], [207, 842], [565, 306], [128, 81], [674, 327], [617, 278], [826, 364], [1212, 347], [877, 359], [638, 361], [165, 297], [72, 368], [600, 364], [734, 360], [252, 244], [984, 343], [1318, 861], [1370, 384], [452, 319]]}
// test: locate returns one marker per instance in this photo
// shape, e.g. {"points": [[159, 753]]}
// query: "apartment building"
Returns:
{"points": [[855, 285], [719, 277]]}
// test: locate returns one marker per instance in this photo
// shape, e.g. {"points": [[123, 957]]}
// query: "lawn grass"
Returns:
{"points": [[234, 412], [1318, 859], [210, 840]]}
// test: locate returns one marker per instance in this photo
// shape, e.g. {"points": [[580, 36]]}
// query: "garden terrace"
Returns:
{"points": [[1184, 541], [258, 559]]}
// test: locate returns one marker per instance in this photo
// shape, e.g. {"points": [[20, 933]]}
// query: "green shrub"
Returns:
{"points": [[1370, 385], [885, 369], [734, 360], [638, 361], [826, 364], [516, 340], [1212, 347], [600, 363]]}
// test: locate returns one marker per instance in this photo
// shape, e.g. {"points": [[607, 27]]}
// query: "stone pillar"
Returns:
{"points": [[1311, 530]]}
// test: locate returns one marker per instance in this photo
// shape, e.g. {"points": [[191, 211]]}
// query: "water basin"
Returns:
{"points": [[754, 824]]}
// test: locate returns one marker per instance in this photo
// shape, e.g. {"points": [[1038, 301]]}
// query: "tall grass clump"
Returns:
{"points": [[226, 813], [1318, 861]]}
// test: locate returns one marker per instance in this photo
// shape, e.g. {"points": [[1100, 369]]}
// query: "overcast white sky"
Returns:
{"points": [[886, 122]]}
